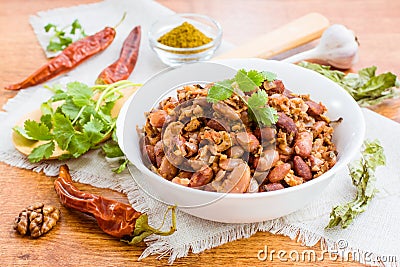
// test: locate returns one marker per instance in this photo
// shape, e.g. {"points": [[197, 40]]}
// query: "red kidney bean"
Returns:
{"points": [[303, 144], [286, 123], [201, 177], [279, 172], [301, 168]]}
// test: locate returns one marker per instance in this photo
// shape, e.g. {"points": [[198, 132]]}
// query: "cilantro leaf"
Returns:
{"points": [[105, 110], [114, 136], [46, 119], [37, 131], [20, 130], [42, 152], [256, 77], [220, 91], [266, 116], [79, 144], [59, 94], [65, 156], [87, 114], [93, 131], [54, 46], [75, 26], [248, 82], [81, 93], [49, 26], [257, 99], [112, 150], [60, 39], [64, 41], [63, 130], [46, 108], [362, 173], [268, 76], [70, 109], [122, 166], [263, 114]]}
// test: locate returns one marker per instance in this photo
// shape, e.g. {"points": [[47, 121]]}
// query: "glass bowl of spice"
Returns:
{"points": [[185, 38]]}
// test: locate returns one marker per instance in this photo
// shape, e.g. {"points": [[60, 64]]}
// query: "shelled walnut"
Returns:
{"points": [[36, 220]]}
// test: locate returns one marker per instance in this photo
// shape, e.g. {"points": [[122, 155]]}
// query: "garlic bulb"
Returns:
{"points": [[338, 47]]}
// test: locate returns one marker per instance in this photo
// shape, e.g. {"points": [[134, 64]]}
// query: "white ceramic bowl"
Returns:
{"points": [[239, 208]]}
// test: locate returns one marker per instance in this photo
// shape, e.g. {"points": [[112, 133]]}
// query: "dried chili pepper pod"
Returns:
{"points": [[113, 217], [123, 67], [69, 58]]}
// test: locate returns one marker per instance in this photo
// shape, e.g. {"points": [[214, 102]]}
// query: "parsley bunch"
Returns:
{"points": [[363, 177], [80, 123], [247, 82], [61, 39]]}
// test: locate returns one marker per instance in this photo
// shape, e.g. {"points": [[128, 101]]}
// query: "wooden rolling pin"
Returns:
{"points": [[295, 33]]}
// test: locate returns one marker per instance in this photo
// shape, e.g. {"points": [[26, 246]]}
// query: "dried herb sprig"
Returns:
{"points": [[362, 173]]}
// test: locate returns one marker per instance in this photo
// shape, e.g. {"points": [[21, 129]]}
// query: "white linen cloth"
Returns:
{"points": [[376, 231]]}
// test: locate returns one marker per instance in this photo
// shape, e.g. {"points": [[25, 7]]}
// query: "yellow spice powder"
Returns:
{"points": [[184, 36]]}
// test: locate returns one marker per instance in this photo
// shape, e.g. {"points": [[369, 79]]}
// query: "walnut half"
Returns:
{"points": [[36, 220]]}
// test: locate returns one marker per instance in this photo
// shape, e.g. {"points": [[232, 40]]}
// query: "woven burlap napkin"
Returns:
{"points": [[374, 233]]}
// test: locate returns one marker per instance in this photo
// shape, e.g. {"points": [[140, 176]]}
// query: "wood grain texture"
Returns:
{"points": [[76, 240]]}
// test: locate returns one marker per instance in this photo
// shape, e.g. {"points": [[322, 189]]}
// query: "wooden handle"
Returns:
{"points": [[291, 35]]}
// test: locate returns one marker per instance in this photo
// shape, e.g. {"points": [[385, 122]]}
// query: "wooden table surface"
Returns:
{"points": [[76, 240]]}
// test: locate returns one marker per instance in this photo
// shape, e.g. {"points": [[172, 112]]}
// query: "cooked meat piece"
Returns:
{"points": [[275, 87], [315, 109], [225, 111], [157, 118], [167, 170], [217, 125]]}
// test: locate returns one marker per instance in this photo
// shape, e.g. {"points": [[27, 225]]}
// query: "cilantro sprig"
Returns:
{"points": [[65, 36], [112, 150], [79, 124], [362, 173], [247, 81]]}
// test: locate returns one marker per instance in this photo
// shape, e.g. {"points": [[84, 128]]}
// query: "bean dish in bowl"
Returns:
{"points": [[220, 146], [231, 154]]}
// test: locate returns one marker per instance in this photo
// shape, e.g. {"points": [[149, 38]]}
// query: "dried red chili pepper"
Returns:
{"points": [[113, 217], [69, 58], [123, 67]]}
